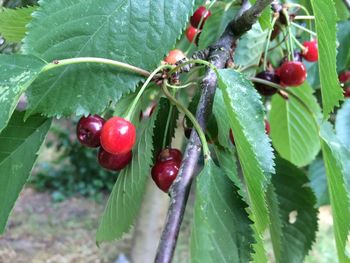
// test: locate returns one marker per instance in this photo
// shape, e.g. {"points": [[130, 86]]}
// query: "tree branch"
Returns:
{"points": [[218, 55]]}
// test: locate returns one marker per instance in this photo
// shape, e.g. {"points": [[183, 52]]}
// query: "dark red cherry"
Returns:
{"points": [[292, 73], [170, 154], [344, 77], [311, 51], [263, 89], [197, 16], [191, 34], [347, 92], [164, 174], [118, 135], [89, 130], [113, 162]]}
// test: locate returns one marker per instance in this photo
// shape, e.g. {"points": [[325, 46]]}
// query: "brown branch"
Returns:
{"points": [[218, 55]]}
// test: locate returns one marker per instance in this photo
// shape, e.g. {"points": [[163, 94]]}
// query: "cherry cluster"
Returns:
{"points": [[115, 137], [197, 22], [344, 79]]}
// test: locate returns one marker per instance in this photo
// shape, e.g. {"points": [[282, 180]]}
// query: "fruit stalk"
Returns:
{"points": [[219, 53]]}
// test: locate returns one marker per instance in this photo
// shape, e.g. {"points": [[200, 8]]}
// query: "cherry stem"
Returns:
{"points": [[304, 17], [168, 122], [275, 18], [312, 33], [181, 86], [194, 61], [298, 43], [143, 88], [79, 60], [285, 12], [307, 17], [196, 125]]}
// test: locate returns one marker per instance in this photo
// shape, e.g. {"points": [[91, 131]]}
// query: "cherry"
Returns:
{"points": [[267, 130], [114, 162], [344, 77], [263, 89], [170, 154], [191, 33], [174, 56], [118, 135], [311, 51], [197, 16], [89, 130], [164, 174], [292, 73]]}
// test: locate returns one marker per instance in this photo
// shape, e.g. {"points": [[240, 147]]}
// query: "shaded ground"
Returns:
{"points": [[42, 231]]}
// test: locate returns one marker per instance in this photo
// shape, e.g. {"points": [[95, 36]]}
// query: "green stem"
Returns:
{"points": [[167, 126], [308, 16], [288, 45], [304, 17], [114, 63], [196, 125], [181, 86], [298, 43], [285, 12], [275, 18], [144, 86], [312, 33], [194, 61]]}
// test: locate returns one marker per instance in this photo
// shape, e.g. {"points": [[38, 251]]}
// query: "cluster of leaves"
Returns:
{"points": [[232, 213]]}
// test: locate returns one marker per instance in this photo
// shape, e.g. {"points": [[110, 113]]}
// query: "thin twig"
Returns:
{"points": [[219, 53]]}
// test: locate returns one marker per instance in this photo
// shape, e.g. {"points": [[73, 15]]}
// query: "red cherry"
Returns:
{"points": [[114, 162], [292, 73], [347, 92], [191, 33], [170, 154], [174, 56], [263, 89], [197, 16], [118, 135], [344, 77], [311, 51], [164, 174], [89, 130]]}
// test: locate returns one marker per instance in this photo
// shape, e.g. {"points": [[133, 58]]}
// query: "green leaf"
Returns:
{"points": [[326, 18], [246, 118], [13, 22], [163, 117], [318, 181], [294, 129], [126, 197], [342, 124], [297, 213], [221, 230], [336, 159], [222, 14], [343, 56], [19, 144], [16, 74], [136, 33], [250, 48], [221, 116]]}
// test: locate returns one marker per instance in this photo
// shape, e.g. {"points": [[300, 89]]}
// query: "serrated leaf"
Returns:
{"points": [[17, 72], [250, 48], [126, 197], [326, 19], [222, 14], [220, 113], [167, 113], [336, 159], [246, 118], [297, 213], [318, 181], [342, 124], [221, 230], [13, 22], [19, 144], [136, 33], [294, 129]]}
